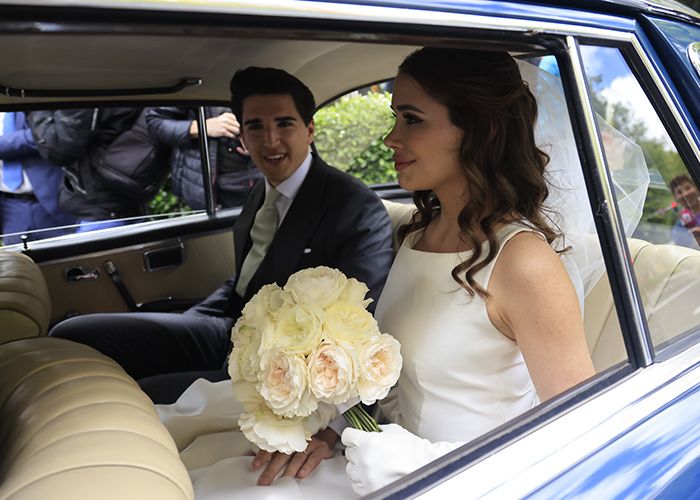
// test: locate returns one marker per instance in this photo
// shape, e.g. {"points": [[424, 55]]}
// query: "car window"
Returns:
{"points": [[350, 132], [77, 170], [664, 245]]}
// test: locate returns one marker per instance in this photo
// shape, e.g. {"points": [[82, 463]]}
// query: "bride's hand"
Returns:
{"points": [[298, 465]]}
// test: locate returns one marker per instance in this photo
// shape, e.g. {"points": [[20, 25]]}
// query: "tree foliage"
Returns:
{"points": [[165, 202], [660, 156], [349, 134]]}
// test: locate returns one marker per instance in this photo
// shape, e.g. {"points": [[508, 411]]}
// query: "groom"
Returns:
{"points": [[303, 214]]}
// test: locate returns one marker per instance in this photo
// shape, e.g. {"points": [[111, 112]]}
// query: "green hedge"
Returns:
{"points": [[349, 135]]}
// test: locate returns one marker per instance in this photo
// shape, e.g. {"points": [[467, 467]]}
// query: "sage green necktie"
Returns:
{"points": [[261, 234]]}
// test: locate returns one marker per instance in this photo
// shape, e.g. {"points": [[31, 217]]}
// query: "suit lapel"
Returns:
{"points": [[285, 252]]}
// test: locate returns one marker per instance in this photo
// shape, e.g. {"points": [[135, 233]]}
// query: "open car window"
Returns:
{"points": [[351, 131], [664, 245], [78, 170]]}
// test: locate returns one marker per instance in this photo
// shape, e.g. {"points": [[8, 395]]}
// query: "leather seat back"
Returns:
{"points": [[25, 307], [669, 283]]}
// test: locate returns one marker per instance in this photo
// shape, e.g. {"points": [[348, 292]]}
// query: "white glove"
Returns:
{"points": [[376, 459]]}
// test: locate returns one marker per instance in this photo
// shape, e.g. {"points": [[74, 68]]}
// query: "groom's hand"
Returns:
{"points": [[298, 465]]}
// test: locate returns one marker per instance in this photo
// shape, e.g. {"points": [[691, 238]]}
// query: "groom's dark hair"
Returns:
{"points": [[268, 81]]}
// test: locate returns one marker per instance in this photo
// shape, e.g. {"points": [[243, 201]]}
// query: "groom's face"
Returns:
{"points": [[275, 135]]}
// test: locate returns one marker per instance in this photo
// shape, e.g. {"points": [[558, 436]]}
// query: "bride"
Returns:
{"points": [[487, 315]]}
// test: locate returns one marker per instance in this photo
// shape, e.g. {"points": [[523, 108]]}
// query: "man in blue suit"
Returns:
{"points": [[28, 185]]}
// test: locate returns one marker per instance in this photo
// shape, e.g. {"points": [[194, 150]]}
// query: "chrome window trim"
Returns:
{"points": [[125, 231], [621, 254]]}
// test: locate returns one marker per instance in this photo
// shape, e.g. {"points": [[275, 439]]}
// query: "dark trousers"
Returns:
{"points": [[19, 215], [164, 352]]}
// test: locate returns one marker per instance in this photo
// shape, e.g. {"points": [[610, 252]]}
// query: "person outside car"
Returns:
{"points": [[233, 173]]}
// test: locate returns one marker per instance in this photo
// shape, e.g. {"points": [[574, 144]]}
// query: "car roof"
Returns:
{"points": [[62, 50], [72, 62]]}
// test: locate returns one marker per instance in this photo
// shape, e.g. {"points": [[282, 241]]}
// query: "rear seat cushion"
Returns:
{"points": [[75, 425]]}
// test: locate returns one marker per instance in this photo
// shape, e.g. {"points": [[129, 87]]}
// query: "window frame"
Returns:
{"points": [[663, 97]]}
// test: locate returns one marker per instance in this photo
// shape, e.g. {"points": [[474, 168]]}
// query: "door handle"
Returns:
{"points": [[79, 273]]}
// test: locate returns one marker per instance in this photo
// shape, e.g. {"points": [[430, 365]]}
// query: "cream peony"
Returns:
{"points": [[272, 433], [355, 292], [283, 384], [266, 304], [317, 287], [348, 322], [379, 368], [244, 359], [304, 352], [297, 330], [257, 307], [332, 376], [247, 394]]}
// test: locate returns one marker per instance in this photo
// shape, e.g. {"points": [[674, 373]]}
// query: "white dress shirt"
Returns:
{"points": [[289, 188]]}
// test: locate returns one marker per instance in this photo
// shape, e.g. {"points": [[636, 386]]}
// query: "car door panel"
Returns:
{"points": [[208, 262]]}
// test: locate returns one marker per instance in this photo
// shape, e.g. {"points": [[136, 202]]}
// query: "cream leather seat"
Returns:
{"points": [[25, 307], [669, 283], [75, 426]]}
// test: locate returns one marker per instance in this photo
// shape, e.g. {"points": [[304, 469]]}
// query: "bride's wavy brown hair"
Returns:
{"points": [[487, 98]]}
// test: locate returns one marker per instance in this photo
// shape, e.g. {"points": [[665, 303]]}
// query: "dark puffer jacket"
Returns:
{"points": [[232, 179], [76, 139]]}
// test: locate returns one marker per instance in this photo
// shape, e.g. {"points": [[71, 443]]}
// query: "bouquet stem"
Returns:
{"points": [[358, 418]]}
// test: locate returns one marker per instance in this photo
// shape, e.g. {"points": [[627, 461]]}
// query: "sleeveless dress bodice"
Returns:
{"points": [[461, 377]]}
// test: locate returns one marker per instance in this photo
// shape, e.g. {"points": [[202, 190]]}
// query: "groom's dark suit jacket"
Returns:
{"points": [[334, 221]]}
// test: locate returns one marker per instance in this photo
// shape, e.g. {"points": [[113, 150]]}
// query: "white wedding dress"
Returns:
{"points": [[460, 379]]}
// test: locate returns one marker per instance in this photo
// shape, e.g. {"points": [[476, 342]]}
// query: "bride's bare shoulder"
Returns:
{"points": [[527, 258]]}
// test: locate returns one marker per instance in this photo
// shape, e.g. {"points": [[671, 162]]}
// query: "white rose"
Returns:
{"points": [[257, 306], [379, 367], [332, 376], [348, 322], [355, 292], [297, 330], [272, 433], [266, 304], [243, 360], [316, 287], [248, 396], [283, 384]]}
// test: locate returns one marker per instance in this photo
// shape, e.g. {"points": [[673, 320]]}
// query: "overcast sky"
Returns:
{"points": [[618, 85]]}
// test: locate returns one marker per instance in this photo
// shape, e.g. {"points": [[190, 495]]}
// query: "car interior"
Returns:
{"points": [[71, 415]]}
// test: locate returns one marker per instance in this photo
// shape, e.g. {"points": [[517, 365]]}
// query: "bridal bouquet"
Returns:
{"points": [[300, 351]]}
